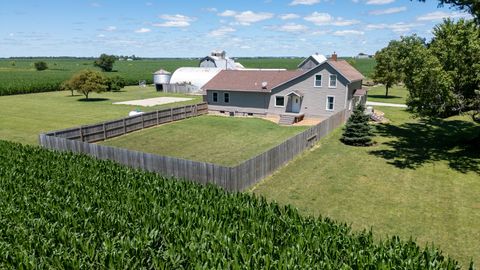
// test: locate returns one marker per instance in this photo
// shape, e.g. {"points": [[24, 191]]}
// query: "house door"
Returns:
{"points": [[295, 104]]}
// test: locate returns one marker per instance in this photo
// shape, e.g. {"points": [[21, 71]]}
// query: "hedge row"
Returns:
{"points": [[60, 210]]}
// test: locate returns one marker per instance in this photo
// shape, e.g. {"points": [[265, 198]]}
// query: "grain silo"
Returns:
{"points": [[160, 78]]}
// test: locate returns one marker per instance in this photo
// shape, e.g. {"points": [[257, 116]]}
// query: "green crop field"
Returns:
{"points": [[19, 76], [65, 211], [206, 138]]}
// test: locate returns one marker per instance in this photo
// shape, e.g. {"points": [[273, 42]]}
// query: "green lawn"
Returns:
{"points": [[396, 94], [421, 180], [23, 117], [214, 139]]}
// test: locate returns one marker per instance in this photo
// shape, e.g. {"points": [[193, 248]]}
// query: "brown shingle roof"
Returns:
{"points": [[349, 72], [250, 80]]}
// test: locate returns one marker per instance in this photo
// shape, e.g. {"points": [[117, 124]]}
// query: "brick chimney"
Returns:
{"points": [[334, 56]]}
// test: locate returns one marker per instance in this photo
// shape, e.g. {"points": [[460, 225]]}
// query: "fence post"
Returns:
{"points": [[196, 110], [81, 133], [185, 112], [171, 114], [158, 118], [143, 121], [104, 132], [124, 126]]}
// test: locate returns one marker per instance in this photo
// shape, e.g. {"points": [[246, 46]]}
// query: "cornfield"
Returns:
{"points": [[20, 77], [66, 211]]}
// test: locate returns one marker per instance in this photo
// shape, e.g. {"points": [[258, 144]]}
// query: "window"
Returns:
{"points": [[333, 81], [215, 97], [318, 81], [330, 103], [279, 101], [226, 97]]}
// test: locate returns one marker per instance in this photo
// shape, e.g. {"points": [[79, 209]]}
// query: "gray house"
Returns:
{"points": [[319, 92]]}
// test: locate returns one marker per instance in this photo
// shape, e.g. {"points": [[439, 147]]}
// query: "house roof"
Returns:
{"points": [[250, 80], [318, 58], [360, 92], [347, 71]]}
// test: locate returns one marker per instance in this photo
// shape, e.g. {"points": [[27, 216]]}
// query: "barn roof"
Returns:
{"points": [[250, 80]]}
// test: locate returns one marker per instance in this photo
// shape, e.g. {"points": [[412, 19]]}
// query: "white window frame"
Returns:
{"points": [[224, 95], [278, 106], [213, 99], [315, 80], [330, 81], [333, 103]]}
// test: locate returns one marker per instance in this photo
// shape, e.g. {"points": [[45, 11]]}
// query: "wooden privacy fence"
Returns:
{"points": [[115, 128], [235, 178]]}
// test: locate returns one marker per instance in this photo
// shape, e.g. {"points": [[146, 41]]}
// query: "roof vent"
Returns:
{"points": [[264, 85]]}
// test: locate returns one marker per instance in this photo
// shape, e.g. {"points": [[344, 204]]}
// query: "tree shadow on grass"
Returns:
{"points": [[415, 144], [384, 97], [93, 99]]}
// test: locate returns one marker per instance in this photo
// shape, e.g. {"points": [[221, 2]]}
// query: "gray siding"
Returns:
{"points": [[242, 102], [308, 64], [313, 104], [314, 101]]}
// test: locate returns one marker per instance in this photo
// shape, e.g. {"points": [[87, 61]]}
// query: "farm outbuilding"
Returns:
{"points": [[160, 78], [219, 59], [194, 76]]}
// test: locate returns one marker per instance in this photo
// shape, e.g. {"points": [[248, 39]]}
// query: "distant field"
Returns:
{"points": [[23, 117], [19, 76], [215, 139]]}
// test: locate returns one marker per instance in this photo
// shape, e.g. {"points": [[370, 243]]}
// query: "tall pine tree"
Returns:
{"points": [[357, 130]]}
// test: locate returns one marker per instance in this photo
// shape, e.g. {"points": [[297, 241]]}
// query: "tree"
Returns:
{"points": [[442, 77], [105, 62], [87, 81], [471, 6], [387, 70], [357, 130], [115, 83], [40, 65]]}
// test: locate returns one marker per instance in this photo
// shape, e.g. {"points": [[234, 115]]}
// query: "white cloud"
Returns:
{"points": [[320, 18], [379, 2], [348, 33], [289, 16], [399, 27], [440, 15], [292, 27], [176, 20], [222, 31], [143, 30], [101, 35], [110, 28], [304, 2], [247, 17], [211, 9], [227, 13], [387, 11]]}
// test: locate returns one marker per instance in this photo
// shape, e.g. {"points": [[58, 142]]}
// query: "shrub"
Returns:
{"points": [[40, 65], [357, 130]]}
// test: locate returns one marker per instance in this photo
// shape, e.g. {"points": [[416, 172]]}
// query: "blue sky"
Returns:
{"points": [[180, 28]]}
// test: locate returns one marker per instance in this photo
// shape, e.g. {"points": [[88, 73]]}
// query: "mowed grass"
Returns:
{"points": [[396, 94], [215, 139], [23, 117], [422, 180]]}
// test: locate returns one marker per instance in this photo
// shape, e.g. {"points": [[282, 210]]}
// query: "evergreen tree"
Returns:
{"points": [[357, 130]]}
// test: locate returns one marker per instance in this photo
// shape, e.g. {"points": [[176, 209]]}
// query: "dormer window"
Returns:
{"points": [[318, 81], [332, 83]]}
